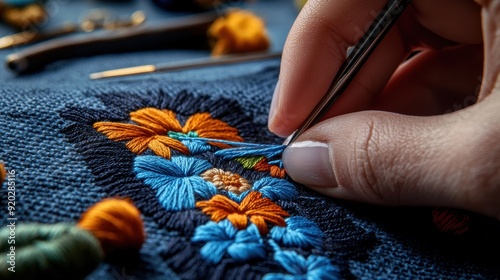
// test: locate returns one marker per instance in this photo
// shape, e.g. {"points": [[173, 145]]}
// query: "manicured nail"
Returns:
{"points": [[274, 103], [308, 163]]}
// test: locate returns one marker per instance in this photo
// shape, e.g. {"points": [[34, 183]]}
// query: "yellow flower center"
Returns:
{"points": [[225, 180]]}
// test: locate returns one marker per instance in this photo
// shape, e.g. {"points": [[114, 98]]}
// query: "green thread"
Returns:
{"points": [[249, 162], [59, 251], [179, 135]]}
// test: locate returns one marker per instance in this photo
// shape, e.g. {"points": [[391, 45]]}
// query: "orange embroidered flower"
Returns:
{"points": [[274, 170], [254, 207], [260, 163], [153, 128], [225, 180]]}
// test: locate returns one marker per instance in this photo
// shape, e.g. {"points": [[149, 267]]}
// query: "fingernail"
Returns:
{"points": [[308, 163], [274, 103]]}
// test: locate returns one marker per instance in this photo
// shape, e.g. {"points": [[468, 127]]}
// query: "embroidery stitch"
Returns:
{"points": [[111, 163], [176, 181], [274, 170], [253, 156], [272, 188], [253, 207], [299, 232], [159, 131], [225, 180], [314, 267], [223, 237]]}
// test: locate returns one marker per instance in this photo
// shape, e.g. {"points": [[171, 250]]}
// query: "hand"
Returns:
{"points": [[418, 131]]}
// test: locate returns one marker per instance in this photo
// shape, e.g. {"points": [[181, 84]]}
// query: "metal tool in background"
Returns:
{"points": [[94, 20], [184, 32], [177, 66]]}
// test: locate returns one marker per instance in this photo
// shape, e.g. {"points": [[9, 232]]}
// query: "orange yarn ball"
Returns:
{"points": [[238, 32], [116, 223], [2, 173]]}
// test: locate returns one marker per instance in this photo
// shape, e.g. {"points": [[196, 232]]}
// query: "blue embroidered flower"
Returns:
{"points": [[224, 238], [272, 188], [314, 267], [299, 232], [176, 181]]}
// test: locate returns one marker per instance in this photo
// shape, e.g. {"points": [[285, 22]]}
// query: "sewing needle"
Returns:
{"points": [[353, 63], [177, 66]]}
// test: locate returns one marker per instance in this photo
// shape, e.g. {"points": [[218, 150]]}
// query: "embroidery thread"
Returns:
{"points": [[176, 181], [65, 250], [226, 180], [223, 237]]}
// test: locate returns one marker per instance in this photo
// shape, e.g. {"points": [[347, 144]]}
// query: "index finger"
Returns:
{"points": [[314, 51], [316, 46]]}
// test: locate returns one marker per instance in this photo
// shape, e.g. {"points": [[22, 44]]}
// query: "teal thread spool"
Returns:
{"points": [[60, 251]]}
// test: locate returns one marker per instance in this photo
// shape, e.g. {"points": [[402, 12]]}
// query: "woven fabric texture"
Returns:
{"points": [[64, 165]]}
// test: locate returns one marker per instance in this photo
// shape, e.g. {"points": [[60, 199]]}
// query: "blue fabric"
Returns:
{"points": [[56, 179]]}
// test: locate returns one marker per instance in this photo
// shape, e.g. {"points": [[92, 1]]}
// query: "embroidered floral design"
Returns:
{"points": [[314, 267], [226, 180], [260, 163], [274, 170], [172, 193], [299, 232], [272, 188], [254, 207], [176, 181], [160, 130], [223, 237]]}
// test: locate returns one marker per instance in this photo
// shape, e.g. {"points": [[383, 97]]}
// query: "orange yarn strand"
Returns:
{"points": [[116, 223]]}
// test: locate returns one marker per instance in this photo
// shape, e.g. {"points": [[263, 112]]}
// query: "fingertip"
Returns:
{"points": [[276, 123], [308, 162]]}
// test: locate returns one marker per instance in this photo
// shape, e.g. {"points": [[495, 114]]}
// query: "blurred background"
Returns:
{"points": [[26, 24]]}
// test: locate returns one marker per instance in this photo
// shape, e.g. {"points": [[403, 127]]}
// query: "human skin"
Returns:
{"points": [[419, 131]]}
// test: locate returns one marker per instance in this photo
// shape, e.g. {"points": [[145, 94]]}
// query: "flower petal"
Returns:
{"points": [[122, 131], [207, 127], [159, 148], [219, 236], [139, 144], [299, 232], [275, 189], [160, 121], [164, 142], [321, 268], [248, 245], [240, 221], [176, 181], [212, 231], [291, 262]]}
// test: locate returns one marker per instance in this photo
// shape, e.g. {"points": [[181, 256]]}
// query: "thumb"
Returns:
{"points": [[382, 158]]}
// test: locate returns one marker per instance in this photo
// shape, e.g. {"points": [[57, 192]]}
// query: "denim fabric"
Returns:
{"points": [[55, 184]]}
